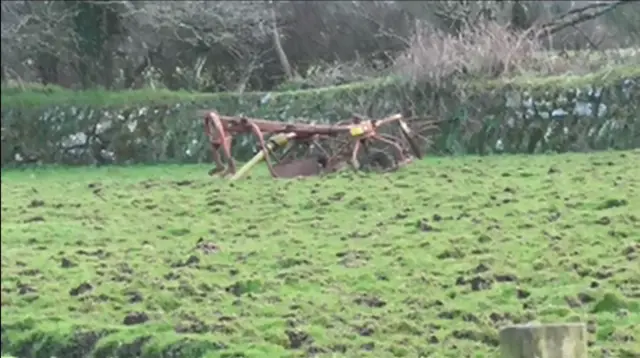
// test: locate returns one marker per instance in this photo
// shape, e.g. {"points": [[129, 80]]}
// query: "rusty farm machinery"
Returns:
{"points": [[303, 149]]}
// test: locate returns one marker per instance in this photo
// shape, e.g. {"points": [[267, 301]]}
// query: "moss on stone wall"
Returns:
{"points": [[526, 114]]}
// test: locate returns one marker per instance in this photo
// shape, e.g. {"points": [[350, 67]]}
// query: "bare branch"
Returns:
{"points": [[576, 16]]}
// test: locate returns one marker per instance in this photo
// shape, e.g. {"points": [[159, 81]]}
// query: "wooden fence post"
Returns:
{"points": [[544, 341]]}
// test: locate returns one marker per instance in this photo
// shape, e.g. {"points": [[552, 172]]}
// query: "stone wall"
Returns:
{"points": [[522, 115]]}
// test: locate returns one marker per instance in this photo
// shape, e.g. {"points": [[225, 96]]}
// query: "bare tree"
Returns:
{"points": [[247, 45], [277, 44], [35, 34], [189, 35]]}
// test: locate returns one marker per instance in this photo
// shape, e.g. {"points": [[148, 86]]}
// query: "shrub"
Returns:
{"points": [[490, 50]]}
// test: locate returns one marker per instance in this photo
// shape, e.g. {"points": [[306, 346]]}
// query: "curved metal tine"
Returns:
{"points": [[341, 147], [418, 132], [331, 143], [319, 146], [215, 126], [285, 153], [354, 156], [395, 145], [424, 126], [341, 142], [421, 136], [341, 151], [389, 137], [257, 132]]}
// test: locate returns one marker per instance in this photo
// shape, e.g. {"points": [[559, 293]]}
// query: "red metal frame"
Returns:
{"points": [[221, 129]]}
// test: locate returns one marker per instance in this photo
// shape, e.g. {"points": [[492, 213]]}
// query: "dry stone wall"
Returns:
{"points": [[522, 115]]}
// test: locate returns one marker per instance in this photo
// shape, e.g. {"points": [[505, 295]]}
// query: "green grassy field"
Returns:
{"points": [[429, 261]]}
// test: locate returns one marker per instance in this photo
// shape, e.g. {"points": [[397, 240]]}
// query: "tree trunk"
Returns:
{"points": [[277, 44]]}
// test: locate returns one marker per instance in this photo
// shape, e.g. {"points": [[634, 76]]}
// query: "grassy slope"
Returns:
{"points": [[428, 261]]}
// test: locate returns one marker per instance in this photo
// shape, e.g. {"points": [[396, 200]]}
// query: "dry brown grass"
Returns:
{"points": [[480, 50], [491, 50]]}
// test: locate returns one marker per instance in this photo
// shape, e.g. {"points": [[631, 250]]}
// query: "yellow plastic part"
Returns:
{"points": [[277, 140], [357, 131], [250, 164]]}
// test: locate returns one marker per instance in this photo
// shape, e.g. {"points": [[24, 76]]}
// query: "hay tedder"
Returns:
{"points": [[302, 149]]}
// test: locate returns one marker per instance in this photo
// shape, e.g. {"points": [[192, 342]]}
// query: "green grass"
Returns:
{"points": [[429, 261]]}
